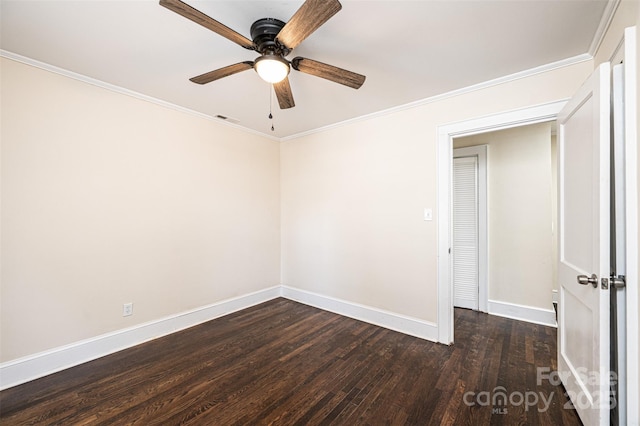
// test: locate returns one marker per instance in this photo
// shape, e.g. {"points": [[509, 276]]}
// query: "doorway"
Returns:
{"points": [[517, 269], [446, 135]]}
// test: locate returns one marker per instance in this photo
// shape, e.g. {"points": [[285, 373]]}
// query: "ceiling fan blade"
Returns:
{"points": [[329, 72], [311, 15], [222, 72], [198, 17], [284, 94]]}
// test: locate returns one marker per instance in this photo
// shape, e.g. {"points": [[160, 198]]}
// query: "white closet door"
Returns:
{"points": [[465, 232]]}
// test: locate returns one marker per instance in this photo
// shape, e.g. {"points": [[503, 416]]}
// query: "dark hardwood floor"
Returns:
{"points": [[285, 363]]}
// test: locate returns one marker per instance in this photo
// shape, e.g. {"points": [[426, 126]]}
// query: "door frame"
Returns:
{"points": [[626, 52], [446, 133], [480, 151]]}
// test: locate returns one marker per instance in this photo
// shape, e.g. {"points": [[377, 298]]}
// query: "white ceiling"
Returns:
{"points": [[409, 50]]}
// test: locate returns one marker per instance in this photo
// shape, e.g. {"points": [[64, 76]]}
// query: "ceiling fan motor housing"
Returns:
{"points": [[264, 32]]}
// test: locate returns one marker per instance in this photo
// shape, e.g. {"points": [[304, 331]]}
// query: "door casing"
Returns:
{"points": [[446, 134]]}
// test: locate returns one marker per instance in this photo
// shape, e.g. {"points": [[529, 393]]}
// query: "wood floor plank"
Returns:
{"points": [[285, 363]]}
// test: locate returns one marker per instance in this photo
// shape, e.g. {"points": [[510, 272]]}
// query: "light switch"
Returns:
{"points": [[428, 214]]}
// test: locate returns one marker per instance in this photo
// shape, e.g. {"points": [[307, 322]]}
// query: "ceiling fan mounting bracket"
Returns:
{"points": [[264, 32]]}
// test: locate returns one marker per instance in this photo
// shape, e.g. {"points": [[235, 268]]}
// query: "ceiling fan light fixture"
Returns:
{"points": [[272, 68]]}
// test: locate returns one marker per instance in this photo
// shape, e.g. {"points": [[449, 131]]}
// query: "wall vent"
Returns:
{"points": [[229, 119]]}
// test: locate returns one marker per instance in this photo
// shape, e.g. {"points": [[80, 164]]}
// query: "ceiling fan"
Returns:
{"points": [[274, 40]]}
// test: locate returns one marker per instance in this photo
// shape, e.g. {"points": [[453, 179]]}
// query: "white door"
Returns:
{"points": [[465, 232], [583, 268]]}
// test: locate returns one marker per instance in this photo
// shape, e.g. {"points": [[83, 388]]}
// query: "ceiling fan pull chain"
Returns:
{"points": [[270, 106]]}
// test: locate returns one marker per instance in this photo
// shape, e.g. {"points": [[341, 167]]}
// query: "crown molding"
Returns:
{"points": [[490, 83], [480, 86], [121, 90], [605, 21]]}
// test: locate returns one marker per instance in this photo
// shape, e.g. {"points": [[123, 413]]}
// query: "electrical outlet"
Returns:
{"points": [[127, 309]]}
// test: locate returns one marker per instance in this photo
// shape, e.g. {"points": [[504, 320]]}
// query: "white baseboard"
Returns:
{"points": [[523, 313], [22, 370], [407, 325]]}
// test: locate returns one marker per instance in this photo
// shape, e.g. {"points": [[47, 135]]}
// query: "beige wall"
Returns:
{"points": [[109, 199], [519, 213], [353, 197]]}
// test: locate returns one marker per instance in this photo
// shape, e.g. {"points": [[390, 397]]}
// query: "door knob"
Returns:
{"points": [[584, 280]]}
